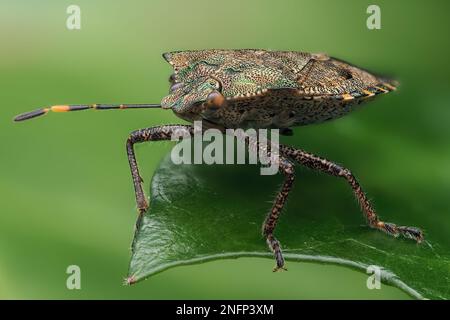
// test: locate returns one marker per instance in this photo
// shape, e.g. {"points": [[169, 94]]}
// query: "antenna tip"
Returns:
{"points": [[31, 114]]}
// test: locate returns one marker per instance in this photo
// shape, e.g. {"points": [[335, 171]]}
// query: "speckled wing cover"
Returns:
{"points": [[268, 81]]}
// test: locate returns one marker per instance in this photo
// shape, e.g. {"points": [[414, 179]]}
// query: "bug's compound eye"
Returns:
{"points": [[215, 100]]}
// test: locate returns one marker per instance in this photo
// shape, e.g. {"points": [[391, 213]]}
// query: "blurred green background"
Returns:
{"points": [[66, 192]]}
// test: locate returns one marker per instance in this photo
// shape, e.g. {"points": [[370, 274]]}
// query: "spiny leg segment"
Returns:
{"points": [[287, 168], [149, 134], [314, 162]]}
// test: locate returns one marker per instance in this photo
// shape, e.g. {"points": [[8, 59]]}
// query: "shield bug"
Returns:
{"points": [[260, 89]]}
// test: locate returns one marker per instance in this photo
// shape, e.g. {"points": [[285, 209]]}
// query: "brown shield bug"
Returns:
{"points": [[260, 89]]}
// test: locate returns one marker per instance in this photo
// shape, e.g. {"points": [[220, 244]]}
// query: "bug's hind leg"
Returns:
{"points": [[311, 161], [287, 168], [149, 134]]}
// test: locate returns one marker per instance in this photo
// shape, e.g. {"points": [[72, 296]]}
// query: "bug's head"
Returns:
{"points": [[205, 91]]}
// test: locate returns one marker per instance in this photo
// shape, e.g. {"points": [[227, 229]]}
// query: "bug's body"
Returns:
{"points": [[262, 89], [259, 89]]}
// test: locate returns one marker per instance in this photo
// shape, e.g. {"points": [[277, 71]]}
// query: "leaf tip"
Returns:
{"points": [[129, 281]]}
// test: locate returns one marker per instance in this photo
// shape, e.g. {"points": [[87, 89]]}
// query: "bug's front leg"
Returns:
{"points": [[149, 134], [314, 162]]}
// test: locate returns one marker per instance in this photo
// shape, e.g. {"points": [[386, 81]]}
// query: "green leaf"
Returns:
{"points": [[200, 213]]}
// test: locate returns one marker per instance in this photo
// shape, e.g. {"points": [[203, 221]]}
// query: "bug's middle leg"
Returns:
{"points": [[287, 168], [149, 134], [317, 163]]}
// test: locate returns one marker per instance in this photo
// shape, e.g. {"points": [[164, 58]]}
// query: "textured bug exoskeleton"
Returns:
{"points": [[262, 89]]}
